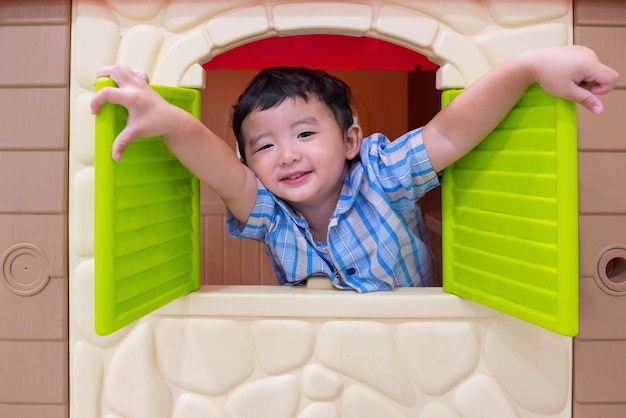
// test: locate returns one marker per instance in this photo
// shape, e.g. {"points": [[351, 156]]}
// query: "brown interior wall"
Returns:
{"points": [[381, 101], [34, 75], [600, 348]]}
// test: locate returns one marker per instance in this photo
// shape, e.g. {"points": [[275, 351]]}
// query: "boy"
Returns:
{"points": [[325, 200]]}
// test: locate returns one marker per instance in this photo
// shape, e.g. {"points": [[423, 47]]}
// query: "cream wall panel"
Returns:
{"points": [[238, 26]]}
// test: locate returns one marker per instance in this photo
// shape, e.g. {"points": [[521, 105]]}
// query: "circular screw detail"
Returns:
{"points": [[24, 268], [612, 269]]}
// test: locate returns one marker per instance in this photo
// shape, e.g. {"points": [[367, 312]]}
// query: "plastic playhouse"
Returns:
{"points": [[526, 325]]}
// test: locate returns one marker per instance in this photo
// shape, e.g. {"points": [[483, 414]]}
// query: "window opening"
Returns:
{"points": [[385, 78], [508, 244]]}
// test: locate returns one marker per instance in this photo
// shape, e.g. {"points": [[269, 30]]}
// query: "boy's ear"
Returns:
{"points": [[353, 140]]}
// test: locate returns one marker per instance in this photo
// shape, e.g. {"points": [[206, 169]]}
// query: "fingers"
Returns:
{"points": [[581, 94], [601, 81], [592, 103], [122, 75], [123, 140], [132, 86], [584, 75], [106, 95], [143, 76], [125, 78]]}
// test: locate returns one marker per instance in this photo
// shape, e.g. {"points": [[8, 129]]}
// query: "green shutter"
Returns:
{"points": [[510, 216], [146, 220]]}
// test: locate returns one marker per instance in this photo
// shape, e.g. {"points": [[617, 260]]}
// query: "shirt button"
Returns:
{"points": [[350, 271]]}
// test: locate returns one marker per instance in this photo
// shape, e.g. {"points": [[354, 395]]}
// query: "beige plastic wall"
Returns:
{"points": [[600, 361], [34, 95], [265, 351]]}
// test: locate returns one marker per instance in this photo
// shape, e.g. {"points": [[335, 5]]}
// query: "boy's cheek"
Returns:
{"points": [[253, 164]]}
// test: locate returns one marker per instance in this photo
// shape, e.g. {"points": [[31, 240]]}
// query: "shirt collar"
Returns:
{"points": [[287, 209]]}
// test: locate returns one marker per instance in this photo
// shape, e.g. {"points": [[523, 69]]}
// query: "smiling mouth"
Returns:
{"points": [[295, 177]]}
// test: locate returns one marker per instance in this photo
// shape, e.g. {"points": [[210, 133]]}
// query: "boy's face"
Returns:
{"points": [[299, 152]]}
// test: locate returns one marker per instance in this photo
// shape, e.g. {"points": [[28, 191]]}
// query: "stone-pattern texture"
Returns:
{"points": [[278, 352], [282, 353]]}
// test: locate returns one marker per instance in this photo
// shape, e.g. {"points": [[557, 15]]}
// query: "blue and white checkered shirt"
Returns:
{"points": [[376, 238]]}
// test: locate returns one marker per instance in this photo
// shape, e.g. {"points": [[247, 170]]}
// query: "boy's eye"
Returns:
{"points": [[305, 134], [263, 147]]}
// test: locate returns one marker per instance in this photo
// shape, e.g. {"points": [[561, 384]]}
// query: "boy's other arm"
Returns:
{"points": [[205, 154], [570, 72]]}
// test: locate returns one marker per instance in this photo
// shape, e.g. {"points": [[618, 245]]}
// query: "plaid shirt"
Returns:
{"points": [[376, 238]]}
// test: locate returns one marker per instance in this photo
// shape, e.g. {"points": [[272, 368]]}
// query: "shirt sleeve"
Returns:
{"points": [[260, 220], [402, 167]]}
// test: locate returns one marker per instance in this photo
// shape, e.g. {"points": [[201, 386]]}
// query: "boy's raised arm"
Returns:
{"points": [[205, 154], [570, 72]]}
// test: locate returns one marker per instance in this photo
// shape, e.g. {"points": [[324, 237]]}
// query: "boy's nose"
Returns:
{"points": [[289, 155]]}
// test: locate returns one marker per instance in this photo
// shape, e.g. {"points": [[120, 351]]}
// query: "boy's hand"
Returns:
{"points": [[146, 109], [572, 72], [204, 154]]}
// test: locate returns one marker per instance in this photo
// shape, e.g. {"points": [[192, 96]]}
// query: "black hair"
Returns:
{"points": [[271, 86]]}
